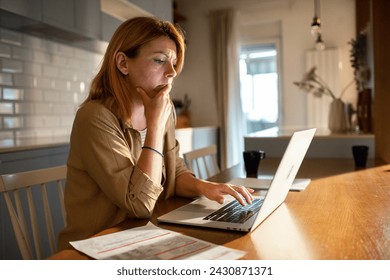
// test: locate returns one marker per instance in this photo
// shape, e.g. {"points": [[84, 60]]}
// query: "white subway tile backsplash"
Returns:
{"points": [[84, 76], [5, 50], [73, 86], [33, 95], [76, 98], [22, 53], [50, 71], [62, 109], [22, 80], [68, 74], [60, 84], [24, 108], [42, 57], [11, 37], [33, 42], [6, 79], [35, 121], [72, 108], [67, 121], [42, 84], [97, 60], [82, 87], [43, 108], [33, 68], [12, 94], [52, 121], [6, 108], [5, 135], [74, 63], [59, 60], [12, 122], [82, 54], [66, 97], [11, 66], [65, 50], [51, 96], [26, 133], [57, 132], [43, 132]]}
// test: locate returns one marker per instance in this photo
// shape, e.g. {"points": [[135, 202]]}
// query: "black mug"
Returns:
{"points": [[252, 160], [360, 154]]}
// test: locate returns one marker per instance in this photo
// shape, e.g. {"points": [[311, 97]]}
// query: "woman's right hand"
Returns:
{"points": [[157, 108]]}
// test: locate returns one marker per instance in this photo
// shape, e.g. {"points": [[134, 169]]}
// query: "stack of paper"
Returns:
{"points": [[152, 243]]}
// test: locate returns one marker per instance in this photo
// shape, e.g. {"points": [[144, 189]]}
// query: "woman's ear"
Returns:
{"points": [[121, 63]]}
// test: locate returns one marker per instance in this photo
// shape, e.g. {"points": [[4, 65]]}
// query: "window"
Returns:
{"points": [[259, 86]]}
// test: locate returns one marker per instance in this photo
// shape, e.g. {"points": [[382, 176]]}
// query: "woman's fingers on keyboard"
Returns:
{"points": [[242, 194]]}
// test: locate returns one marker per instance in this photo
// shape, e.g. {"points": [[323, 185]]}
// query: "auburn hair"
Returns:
{"points": [[110, 86]]}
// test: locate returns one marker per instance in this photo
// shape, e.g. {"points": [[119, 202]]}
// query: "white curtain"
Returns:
{"points": [[225, 52]]}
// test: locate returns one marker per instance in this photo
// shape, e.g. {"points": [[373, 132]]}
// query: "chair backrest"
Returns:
{"points": [[31, 194], [203, 162]]}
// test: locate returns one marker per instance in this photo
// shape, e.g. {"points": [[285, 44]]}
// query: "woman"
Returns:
{"points": [[123, 152]]}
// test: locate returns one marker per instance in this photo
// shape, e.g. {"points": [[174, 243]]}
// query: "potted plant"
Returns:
{"points": [[312, 83], [358, 58], [359, 62]]}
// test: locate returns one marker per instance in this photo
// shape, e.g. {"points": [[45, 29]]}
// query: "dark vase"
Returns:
{"points": [[364, 110]]}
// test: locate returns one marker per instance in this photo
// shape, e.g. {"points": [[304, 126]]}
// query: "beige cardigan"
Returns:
{"points": [[104, 184]]}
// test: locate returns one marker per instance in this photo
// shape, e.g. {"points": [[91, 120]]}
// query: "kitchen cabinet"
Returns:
{"points": [[162, 9], [109, 25], [82, 18], [59, 13], [88, 18], [87, 24], [30, 8], [33, 158]]}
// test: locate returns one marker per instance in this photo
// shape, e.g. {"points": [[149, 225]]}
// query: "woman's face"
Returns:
{"points": [[153, 68]]}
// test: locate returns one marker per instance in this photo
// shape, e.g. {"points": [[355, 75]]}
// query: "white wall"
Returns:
{"points": [[338, 24]]}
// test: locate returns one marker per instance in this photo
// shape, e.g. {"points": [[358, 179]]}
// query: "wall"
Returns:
{"points": [[294, 17], [42, 83]]}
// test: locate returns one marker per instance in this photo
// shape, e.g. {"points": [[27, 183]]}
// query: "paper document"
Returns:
{"points": [[152, 243]]}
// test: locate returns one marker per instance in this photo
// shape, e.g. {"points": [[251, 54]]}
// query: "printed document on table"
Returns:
{"points": [[152, 243]]}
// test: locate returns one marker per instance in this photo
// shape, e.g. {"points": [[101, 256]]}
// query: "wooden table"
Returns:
{"points": [[343, 214]]}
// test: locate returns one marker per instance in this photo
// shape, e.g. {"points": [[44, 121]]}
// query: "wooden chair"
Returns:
{"points": [[27, 194], [203, 162]]}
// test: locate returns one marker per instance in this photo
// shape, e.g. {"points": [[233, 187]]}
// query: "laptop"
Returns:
{"points": [[203, 212]]}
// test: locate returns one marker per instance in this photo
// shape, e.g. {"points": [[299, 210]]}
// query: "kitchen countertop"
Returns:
{"points": [[21, 144], [288, 131], [324, 145]]}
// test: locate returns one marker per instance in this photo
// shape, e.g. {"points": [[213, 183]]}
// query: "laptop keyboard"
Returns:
{"points": [[234, 212]]}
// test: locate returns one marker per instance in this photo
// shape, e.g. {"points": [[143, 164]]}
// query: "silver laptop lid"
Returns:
{"points": [[286, 172]]}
